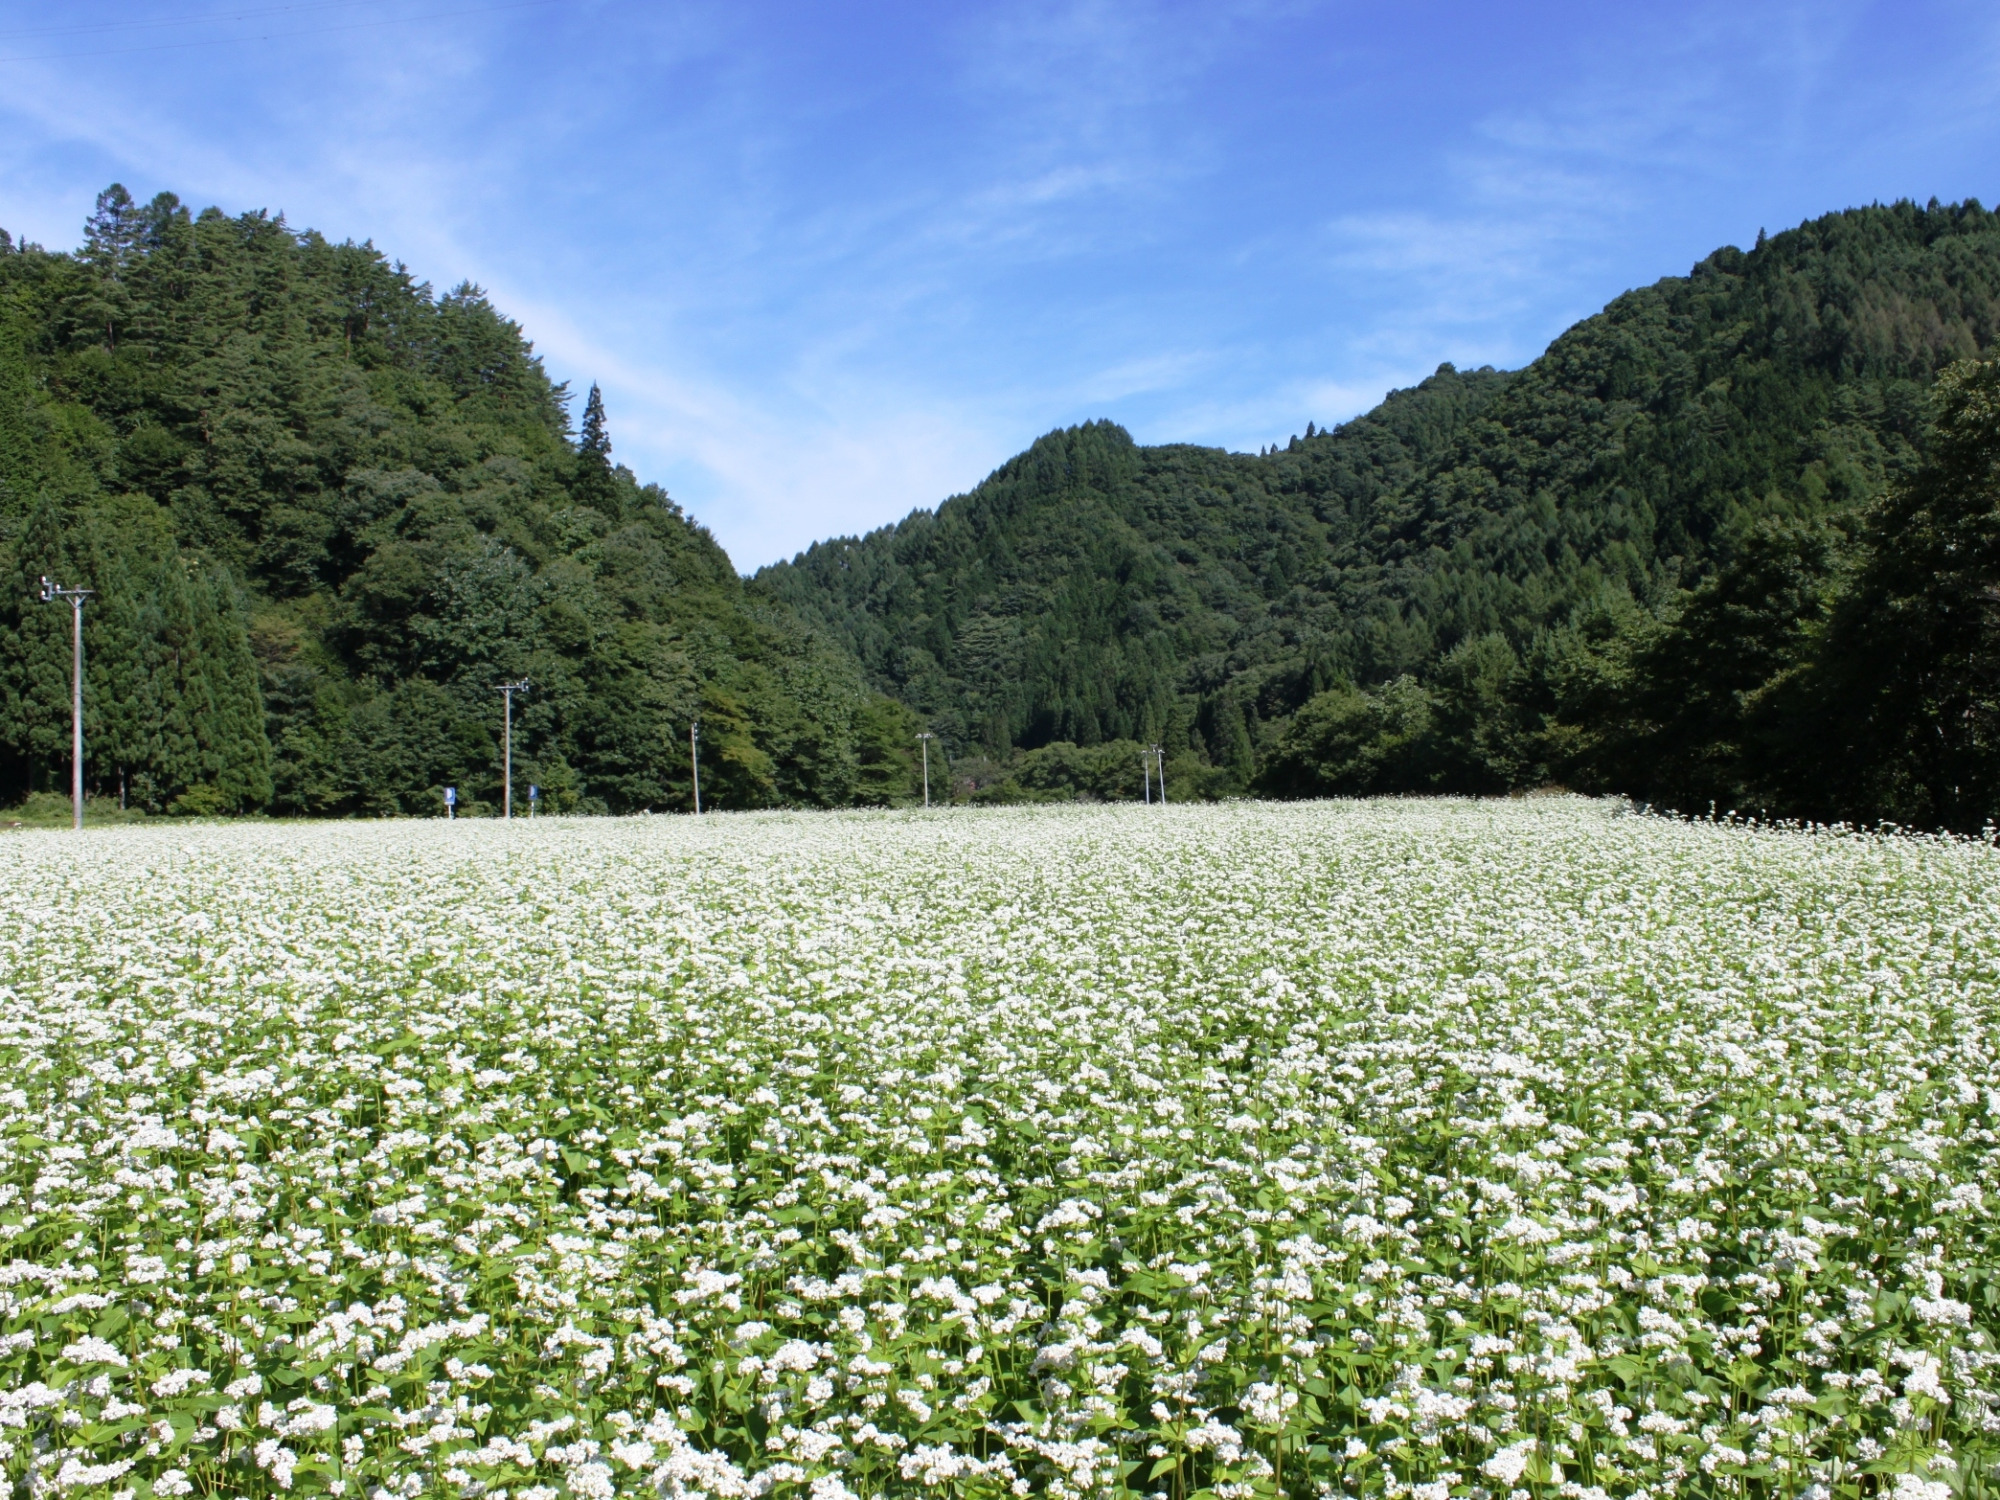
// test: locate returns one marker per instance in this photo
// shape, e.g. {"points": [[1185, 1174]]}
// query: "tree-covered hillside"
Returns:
{"points": [[1731, 539], [1092, 589], [295, 475], [1465, 582]]}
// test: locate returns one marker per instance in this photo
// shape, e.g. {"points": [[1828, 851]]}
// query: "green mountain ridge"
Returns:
{"points": [[1498, 537], [379, 494], [1735, 539]]}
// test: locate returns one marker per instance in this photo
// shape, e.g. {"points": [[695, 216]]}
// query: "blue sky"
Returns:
{"points": [[831, 262]]}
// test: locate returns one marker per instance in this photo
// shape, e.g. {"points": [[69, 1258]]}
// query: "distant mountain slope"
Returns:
{"points": [[1091, 589], [381, 493]]}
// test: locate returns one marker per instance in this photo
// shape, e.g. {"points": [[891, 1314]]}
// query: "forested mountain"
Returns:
{"points": [[1092, 589], [1624, 566], [324, 510], [1732, 539]]}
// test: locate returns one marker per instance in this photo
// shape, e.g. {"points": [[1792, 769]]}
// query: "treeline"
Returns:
{"points": [[1108, 771], [1671, 558], [324, 510]]}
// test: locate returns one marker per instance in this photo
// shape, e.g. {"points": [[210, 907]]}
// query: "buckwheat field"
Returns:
{"points": [[1416, 1149]]}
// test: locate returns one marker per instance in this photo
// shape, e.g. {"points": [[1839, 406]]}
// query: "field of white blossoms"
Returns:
{"points": [[1416, 1149]]}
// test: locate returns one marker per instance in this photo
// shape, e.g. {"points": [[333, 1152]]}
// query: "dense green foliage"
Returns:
{"points": [[171, 710], [1823, 674], [1593, 569], [1903, 684], [1840, 666], [292, 472], [1701, 551], [1108, 771]]}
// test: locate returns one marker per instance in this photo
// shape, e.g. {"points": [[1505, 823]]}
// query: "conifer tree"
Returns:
{"points": [[111, 243], [595, 482], [236, 753], [118, 696]]}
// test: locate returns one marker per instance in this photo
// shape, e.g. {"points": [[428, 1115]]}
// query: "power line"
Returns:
{"points": [[275, 36]]}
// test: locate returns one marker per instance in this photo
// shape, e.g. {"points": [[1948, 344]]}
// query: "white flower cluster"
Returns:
{"points": [[1414, 1149]]}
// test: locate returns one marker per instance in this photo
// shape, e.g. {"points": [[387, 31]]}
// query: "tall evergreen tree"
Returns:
{"points": [[35, 646], [595, 482]]}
